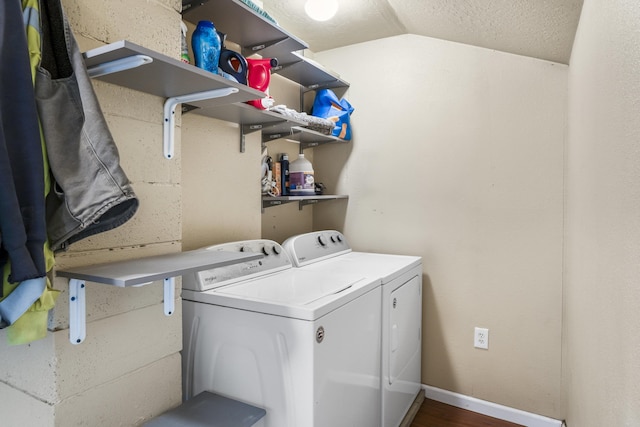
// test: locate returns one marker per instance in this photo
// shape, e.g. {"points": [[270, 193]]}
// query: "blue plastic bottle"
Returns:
{"points": [[205, 43]]}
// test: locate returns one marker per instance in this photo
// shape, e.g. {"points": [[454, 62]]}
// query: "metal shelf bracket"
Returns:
{"points": [[169, 295], [302, 203], [250, 50], [245, 130], [118, 65], [170, 113], [78, 311]]}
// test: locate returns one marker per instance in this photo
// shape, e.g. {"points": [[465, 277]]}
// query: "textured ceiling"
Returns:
{"points": [[542, 29]]}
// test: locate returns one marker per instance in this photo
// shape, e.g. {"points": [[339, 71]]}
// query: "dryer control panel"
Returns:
{"points": [[313, 247], [274, 259]]}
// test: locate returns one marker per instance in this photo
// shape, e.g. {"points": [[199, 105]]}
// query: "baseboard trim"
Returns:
{"points": [[413, 410], [489, 408]]}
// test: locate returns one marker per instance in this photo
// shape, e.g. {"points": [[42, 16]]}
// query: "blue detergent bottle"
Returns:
{"points": [[205, 43]]}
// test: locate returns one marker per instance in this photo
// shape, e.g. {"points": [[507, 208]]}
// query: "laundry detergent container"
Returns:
{"points": [[301, 180]]}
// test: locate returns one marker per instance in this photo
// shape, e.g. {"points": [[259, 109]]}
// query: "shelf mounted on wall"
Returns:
{"points": [[140, 272], [268, 202], [135, 67]]}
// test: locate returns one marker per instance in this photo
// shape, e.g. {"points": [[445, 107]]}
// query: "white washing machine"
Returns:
{"points": [[303, 345], [401, 277]]}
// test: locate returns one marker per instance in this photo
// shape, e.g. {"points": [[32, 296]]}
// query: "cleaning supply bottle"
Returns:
{"points": [[259, 77], [231, 65], [284, 174], [184, 50], [205, 43], [301, 181]]}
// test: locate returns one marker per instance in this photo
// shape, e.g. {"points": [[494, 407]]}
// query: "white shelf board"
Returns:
{"points": [[302, 200], [140, 271], [164, 76], [246, 114], [145, 270], [242, 25], [303, 136]]}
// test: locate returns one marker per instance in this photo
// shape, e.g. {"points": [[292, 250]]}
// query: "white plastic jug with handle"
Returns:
{"points": [[301, 181]]}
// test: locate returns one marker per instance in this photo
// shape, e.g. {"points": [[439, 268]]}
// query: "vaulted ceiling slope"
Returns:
{"points": [[542, 29]]}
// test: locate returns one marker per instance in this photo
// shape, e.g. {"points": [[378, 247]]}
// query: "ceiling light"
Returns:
{"points": [[321, 10]]}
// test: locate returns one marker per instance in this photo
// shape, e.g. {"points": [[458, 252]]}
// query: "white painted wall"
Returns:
{"points": [[457, 157], [602, 368], [220, 184]]}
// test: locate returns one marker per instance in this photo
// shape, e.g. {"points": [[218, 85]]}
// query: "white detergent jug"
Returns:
{"points": [[301, 182]]}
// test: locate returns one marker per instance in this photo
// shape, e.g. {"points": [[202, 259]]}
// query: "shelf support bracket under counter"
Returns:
{"points": [[170, 113], [245, 130], [77, 307], [140, 272], [77, 311], [256, 49], [268, 202]]}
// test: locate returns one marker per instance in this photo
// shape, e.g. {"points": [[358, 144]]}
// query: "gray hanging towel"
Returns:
{"points": [[90, 193]]}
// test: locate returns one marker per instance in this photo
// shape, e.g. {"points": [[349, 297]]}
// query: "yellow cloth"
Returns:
{"points": [[32, 325]]}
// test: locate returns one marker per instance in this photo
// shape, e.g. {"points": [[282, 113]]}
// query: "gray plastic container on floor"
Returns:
{"points": [[210, 410]]}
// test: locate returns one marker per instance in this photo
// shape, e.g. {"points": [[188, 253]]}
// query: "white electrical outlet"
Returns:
{"points": [[481, 338]]}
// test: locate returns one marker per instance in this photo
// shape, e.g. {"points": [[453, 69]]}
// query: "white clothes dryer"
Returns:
{"points": [[303, 345], [401, 277]]}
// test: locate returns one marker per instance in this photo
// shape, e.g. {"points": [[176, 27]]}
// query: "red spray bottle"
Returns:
{"points": [[259, 77]]}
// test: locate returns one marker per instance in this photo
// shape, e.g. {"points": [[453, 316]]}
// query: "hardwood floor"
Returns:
{"points": [[436, 414]]}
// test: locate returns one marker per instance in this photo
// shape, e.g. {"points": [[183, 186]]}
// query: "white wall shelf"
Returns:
{"points": [[140, 272], [242, 25], [307, 138], [126, 64], [256, 34], [164, 76], [268, 202]]}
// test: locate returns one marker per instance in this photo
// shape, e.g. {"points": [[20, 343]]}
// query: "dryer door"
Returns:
{"points": [[404, 323]]}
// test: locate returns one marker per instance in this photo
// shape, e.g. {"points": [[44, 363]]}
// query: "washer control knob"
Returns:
{"points": [[277, 250], [336, 238], [266, 251], [245, 249], [322, 240]]}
